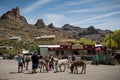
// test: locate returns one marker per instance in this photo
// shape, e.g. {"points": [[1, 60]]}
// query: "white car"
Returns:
{"points": [[15, 57], [1, 58]]}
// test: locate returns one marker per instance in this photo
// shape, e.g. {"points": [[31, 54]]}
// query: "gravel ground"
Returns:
{"points": [[8, 71]]}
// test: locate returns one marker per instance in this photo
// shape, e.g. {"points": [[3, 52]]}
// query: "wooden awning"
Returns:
{"points": [[77, 46]]}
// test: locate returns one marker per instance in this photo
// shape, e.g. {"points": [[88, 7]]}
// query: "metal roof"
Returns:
{"points": [[98, 45], [15, 37], [49, 46], [48, 36]]}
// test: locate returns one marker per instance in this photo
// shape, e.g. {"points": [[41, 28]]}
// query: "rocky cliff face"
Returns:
{"points": [[14, 14], [13, 24], [40, 23]]}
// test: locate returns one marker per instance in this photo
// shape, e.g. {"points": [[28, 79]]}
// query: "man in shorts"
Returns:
{"points": [[20, 62]]}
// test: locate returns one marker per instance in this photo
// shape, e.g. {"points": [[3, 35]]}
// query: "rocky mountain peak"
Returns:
{"points": [[40, 23], [90, 30], [9, 26], [51, 26], [14, 14], [67, 27]]}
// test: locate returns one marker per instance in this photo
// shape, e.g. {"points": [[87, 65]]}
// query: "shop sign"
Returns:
{"points": [[77, 46]]}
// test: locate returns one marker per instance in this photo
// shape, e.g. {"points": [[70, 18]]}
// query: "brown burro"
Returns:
{"points": [[76, 64], [43, 64]]}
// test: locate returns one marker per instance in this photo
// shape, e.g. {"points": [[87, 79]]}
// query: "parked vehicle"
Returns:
{"points": [[15, 57], [1, 58]]}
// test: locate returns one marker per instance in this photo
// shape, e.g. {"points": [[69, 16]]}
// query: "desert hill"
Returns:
{"points": [[14, 24]]}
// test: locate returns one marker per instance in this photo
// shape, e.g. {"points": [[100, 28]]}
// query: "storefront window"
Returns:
{"points": [[75, 52], [62, 52], [57, 53]]}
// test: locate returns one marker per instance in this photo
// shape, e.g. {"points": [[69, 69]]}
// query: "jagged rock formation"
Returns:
{"points": [[51, 26], [10, 24], [40, 23], [68, 27], [90, 30], [13, 24], [14, 14], [71, 31]]}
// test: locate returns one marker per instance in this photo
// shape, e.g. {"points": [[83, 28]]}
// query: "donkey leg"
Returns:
{"points": [[43, 68], [60, 69], [82, 70], [55, 67], [74, 70], [77, 70], [64, 68], [40, 66], [46, 68]]}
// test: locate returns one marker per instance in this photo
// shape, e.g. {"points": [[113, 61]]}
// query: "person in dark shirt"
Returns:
{"points": [[73, 57], [34, 62], [51, 67]]}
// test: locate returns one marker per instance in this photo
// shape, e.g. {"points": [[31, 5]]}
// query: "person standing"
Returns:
{"points": [[51, 67], [34, 62], [20, 62], [73, 57], [96, 59], [27, 60], [46, 59], [69, 60]]}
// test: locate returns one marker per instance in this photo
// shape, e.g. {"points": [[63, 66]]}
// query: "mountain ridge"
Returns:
{"points": [[12, 23]]}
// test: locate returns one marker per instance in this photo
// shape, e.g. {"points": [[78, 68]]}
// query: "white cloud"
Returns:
{"points": [[79, 11], [72, 3], [56, 19], [90, 6], [96, 18], [104, 7], [112, 25], [35, 5], [101, 21], [93, 9]]}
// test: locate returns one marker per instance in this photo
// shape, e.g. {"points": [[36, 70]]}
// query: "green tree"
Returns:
{"points": [[116, 38], [86, 41], [112, 40]]}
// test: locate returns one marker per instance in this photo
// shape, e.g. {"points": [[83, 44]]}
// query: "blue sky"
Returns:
{"points": [[102, 14]]}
